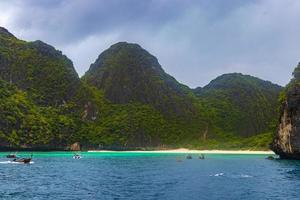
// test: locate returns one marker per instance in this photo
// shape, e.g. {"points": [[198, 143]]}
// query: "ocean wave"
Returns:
{"points": [[218, 174], [232, 176], [12, 162], [246, 176]]}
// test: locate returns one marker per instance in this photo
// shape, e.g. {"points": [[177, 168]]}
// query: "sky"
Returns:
{"points": [[194, 40]]}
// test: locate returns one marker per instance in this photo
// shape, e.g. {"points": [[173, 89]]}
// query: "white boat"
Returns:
{"points": [[77, 156]]}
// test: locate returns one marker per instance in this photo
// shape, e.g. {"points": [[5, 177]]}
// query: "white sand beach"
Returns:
{"points": [[187, 151]]}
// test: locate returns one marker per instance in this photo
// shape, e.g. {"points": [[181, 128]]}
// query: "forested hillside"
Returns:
{"points": [[125, 100]]}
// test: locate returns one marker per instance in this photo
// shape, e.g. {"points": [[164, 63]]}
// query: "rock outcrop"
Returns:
{"points": [[75, 146], [286, 142]]}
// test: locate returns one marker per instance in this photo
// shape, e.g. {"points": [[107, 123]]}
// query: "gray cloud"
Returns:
{"points": [[194, 40]]}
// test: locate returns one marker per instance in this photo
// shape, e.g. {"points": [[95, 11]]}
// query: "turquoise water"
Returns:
{"points": [[57, 175]]}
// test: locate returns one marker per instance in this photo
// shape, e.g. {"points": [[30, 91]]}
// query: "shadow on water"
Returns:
{"points": [[289, 168]]}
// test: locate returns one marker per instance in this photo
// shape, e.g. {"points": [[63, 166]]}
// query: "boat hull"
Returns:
{"points": [[23, 160]]}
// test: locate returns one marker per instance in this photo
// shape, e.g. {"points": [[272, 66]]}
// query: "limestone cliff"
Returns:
{"points": [[286, 142]]}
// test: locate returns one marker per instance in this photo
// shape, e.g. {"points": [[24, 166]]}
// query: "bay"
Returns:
{"points": [[122, 175]]}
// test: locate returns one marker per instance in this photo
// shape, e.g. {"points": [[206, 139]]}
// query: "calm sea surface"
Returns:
{"points": [[57, 175]]}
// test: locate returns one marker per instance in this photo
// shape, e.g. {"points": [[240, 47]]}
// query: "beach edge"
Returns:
{"points": [[187, 151]]}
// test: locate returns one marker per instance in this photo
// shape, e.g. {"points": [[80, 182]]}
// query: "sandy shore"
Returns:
{"points": [[187, 151]]}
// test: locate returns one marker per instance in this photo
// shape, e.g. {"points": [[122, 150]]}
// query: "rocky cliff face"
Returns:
{"points": [[286, 142]]}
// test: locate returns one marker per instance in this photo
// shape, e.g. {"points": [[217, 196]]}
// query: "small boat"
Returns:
{"points": [[189, 157], [201, 157], [12, 155], [77, 156], [23, 160]]}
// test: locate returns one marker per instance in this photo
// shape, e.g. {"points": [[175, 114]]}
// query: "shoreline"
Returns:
{"points": [[187, 151]]}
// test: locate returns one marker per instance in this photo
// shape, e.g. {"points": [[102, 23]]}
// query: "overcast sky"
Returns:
{"points": [[194, 40]]}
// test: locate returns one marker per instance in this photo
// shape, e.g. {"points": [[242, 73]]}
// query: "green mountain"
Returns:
{"points": [[128, 73], [241, 104], [38, 68], [125, 100], [38, 89], [156, 109]]}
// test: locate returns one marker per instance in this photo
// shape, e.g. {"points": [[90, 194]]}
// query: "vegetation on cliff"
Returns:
{"points": [[286, 141], [23, 123], [128, 73], [124, 100], [241, 104], [48, 76]]}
